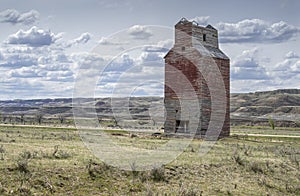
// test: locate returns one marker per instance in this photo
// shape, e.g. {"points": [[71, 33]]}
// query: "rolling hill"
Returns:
{"points": [[246, 108]]}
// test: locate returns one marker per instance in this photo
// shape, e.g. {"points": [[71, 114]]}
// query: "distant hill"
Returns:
{"points": [[256, 108], [246, 108]]}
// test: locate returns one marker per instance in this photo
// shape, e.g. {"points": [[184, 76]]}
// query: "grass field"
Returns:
{"points": [[54, 161]]}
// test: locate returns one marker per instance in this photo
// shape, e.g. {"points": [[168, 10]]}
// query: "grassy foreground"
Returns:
{"points": [[54, 161]]}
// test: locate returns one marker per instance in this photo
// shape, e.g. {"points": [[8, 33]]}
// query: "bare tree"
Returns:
{"points": [[39, 118], [61, 119], [10, 119], [4, 118], [116, 122], [22, 119]]}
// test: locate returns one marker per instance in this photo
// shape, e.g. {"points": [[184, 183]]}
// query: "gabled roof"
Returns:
{"points": [[210, 27], [216, 52], [206, 51]]}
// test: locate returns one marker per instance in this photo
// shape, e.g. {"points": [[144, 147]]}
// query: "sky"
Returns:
{"points": [[45, 46]]}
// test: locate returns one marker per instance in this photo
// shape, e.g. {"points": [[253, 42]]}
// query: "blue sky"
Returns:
{"points": [[43, 44]]}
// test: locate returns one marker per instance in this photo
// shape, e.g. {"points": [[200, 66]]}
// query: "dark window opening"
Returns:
{"points": [[183, 48], [182, 126], [204, 37], [177, 125]]}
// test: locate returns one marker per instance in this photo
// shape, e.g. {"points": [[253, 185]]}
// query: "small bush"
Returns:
{"points": [[2, 152], [158, 174], [97, 169], [60, 154], [24, 191], [272, 123], [134, 171], [22, 165], [23, 160], [25, 155], [2, 149], [247, 150], [295, 160], [256, 168], [29, 155], [238, 159], [188, 190]]}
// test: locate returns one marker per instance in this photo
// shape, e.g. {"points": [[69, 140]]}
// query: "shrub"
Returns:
{"points": [[271, 123], [22, 165], [256, 168], [97, 169], [188, 190], [60, 154], [134, 171], [158, 174], [237, 158], [2, 152]]}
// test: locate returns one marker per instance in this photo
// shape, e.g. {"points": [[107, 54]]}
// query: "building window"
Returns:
{"points": [[204, 37], [183, 48]]}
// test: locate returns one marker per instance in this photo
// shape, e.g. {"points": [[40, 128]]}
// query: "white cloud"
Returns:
{"points": [[284, 74], [201, 20], [168, 43], [19, 56], [153, 59], [82, 39], [139, 32], [256, 31], [25, 72], [14, 17], [291, 55], [120, 64], [87, 61], [16, 60], [108, 41], [246, 67], [34, 37], [36, 71], [288, 68]]}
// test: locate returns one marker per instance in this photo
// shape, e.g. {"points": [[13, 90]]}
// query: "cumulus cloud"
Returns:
{"points": [[17, 60], [82, 39], [121, 64], [34, 37], [155, 58], [247, 67], [288, 68], [49, 66], [256, 30], [12, 16], [109, 41], [139, 32], [25, 72], [153, 55], [201, 20], [291, 55]]}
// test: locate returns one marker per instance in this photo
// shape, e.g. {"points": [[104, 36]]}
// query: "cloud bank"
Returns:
{"points": [[139, 32], [82, 39], [256, 31], [34, 37], [12, 16], [247, 67]]}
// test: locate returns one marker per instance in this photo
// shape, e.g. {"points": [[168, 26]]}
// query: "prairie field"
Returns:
{"points": [[55, 161]]}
